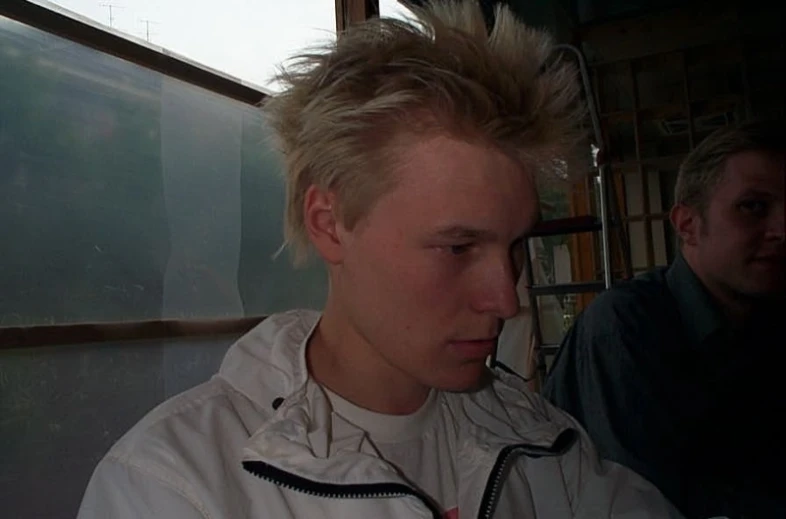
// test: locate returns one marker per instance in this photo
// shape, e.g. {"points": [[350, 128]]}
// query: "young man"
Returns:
{"points": [[412, 151], [678, 373]]}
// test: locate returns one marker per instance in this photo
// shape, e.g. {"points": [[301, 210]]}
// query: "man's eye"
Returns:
{"points": [[755, 207], [458, 250]]}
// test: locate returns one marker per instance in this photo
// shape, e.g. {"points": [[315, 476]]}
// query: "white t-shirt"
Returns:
{"points": [[420, 445]]}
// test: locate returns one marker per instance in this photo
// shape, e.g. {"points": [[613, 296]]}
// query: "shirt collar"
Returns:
{"points": [[699, 313]]}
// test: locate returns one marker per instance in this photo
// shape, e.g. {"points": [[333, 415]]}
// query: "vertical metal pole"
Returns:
{"points": [[604, 217], [601, 178]]}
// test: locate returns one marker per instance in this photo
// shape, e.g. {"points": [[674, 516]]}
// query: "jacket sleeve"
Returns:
{"points": [[603, 488], [607, 377], [123, 491]]}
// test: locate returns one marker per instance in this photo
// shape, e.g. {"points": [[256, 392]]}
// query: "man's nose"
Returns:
{"points": [[497, 293], [775, 227]]}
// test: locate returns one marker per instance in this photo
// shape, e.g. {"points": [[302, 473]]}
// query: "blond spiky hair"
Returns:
{"points": [[442, 71]]}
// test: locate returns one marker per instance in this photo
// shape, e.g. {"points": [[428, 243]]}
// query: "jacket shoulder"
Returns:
{"points": [[209, 420], [177, 457]]}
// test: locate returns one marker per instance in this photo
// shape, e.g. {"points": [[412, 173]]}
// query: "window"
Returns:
{"points": [[393, 9], [245, 39], [127, 195]]}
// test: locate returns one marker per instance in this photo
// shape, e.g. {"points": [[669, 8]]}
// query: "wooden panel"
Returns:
{"points": [[582, 245], [644, 179], [621, 250], [65, 334], [353, 11]]}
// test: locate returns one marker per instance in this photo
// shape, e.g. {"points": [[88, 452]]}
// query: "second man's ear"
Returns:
{"points": [[687, 223], [320, 217]]}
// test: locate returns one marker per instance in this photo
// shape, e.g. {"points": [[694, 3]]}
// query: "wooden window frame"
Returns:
{"points": [[114, 44], [349, 12]]}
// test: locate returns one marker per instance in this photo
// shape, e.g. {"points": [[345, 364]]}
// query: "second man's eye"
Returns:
{"points": [[754, 207], [458, 250]]}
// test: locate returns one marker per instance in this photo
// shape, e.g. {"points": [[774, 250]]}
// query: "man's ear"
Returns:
{"points": [[320, 218], [686, 222]]}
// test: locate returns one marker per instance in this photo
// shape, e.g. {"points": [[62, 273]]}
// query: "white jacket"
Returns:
{"points": [[257, 442]]}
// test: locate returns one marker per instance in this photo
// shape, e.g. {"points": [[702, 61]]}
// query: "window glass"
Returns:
{"points": [[245, 39], [128, 195]]}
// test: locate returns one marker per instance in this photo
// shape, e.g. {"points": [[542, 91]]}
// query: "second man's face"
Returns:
{"points": [[741, 242]]}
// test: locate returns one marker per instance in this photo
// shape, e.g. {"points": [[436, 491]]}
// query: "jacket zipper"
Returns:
{"points": [[336, 491], [491, 493], [561, 444]]}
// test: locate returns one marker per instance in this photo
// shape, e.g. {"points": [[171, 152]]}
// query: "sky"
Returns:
{"points": [[246, 39]]}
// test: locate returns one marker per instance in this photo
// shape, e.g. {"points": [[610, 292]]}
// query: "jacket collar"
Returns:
{"points": [[269, 362], [302, 436], [299, 432]]}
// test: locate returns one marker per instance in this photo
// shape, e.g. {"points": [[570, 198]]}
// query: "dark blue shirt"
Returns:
{"points": [[665, 386]]}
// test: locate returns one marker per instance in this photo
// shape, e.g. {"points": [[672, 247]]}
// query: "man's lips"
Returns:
{"points": [[474, 348], [773, 260]]}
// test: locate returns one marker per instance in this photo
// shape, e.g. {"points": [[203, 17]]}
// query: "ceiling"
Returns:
{"points": [[579, 12]]}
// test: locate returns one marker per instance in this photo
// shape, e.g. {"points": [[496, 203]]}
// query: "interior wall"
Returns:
{"points": [[63, 407]]}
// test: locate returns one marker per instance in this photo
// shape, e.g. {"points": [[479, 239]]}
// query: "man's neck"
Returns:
{"points": [[734, 307], [737, 310], [340, 359]]}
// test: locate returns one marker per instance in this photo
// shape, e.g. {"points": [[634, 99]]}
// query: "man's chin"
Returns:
{"points": [[773, 293], [766, 287], [467, 383]]}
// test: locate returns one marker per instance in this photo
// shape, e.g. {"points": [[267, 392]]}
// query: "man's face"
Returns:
{"points": [[740, 244], [430, 273]]}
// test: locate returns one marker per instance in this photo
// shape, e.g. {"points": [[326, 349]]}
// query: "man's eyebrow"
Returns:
{"points": [[757, 192], [463, 232]]}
